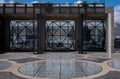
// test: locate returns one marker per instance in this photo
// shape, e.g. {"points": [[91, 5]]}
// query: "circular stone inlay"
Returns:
{"points": [[60, 69], [60, 56], [14, 55], [114, 64], [4, 65]]}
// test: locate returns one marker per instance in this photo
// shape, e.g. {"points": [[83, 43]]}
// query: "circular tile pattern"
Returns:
{"points": [[14, 56], [114, 64], [60, 56], [4, 65], [60, 69]]}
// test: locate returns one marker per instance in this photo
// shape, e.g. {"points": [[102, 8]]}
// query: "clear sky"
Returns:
{"points": [[108, 2]]}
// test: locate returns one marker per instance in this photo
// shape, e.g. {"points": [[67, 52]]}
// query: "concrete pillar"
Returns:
{"points": [[110, 12], [2, 32], [113, 34], [109, 33], [76, 33], [79, 38], [7, 34], [41, 34]]}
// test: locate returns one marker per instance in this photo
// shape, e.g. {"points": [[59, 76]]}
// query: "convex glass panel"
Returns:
{"points": [[23, 34], [94, 34], [60, 34]]}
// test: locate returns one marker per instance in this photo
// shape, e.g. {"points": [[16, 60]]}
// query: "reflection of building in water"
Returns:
{"points": [[28, 27]]}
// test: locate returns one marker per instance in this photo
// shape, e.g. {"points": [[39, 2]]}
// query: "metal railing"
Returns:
{"points": [[53, 9]]}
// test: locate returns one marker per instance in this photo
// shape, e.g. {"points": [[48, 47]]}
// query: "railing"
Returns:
{"points": [[55, 8]]}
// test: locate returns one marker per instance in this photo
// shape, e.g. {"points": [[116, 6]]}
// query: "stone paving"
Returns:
{"points": [[59, 66]]}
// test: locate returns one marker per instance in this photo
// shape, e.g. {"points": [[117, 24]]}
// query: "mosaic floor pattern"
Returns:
{"points": [[59, 66], [60, 69]]}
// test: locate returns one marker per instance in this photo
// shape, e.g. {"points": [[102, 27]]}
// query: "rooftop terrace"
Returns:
{"points": [[59, 66]]}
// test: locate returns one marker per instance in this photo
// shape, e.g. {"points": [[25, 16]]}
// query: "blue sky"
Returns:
{"points": [[108, 2]]}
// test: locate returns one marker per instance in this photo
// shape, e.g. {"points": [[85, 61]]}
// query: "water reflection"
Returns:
{"points": [[60, 69]]}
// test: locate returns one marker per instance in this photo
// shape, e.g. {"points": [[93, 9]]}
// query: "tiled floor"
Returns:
{"points": [[59, 66]]}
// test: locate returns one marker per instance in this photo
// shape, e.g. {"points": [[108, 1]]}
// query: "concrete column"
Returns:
{"points": [[113, 34], [109, 33], [41, 34], [76, 33], [110, 12], [79, 41], [7, 34], [2, 31]]}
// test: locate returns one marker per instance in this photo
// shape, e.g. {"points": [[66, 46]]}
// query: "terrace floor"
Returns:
{"points": [[59, 65]]}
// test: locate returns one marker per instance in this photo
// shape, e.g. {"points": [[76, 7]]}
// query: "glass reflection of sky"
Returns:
{"points": [[60, 69], [115, 64]]}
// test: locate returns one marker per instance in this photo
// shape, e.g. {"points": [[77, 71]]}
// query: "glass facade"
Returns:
{"points": [[23, 34], [60, 35], [94, 34]]}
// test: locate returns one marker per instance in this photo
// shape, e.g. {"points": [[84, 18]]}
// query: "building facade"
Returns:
{"points": [[56, 27]]}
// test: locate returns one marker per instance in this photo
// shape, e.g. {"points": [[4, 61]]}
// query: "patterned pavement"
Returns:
{"points": [[59, 66]]}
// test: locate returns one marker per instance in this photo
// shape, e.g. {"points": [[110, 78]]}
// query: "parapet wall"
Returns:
{"points": [[54, 8]]}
